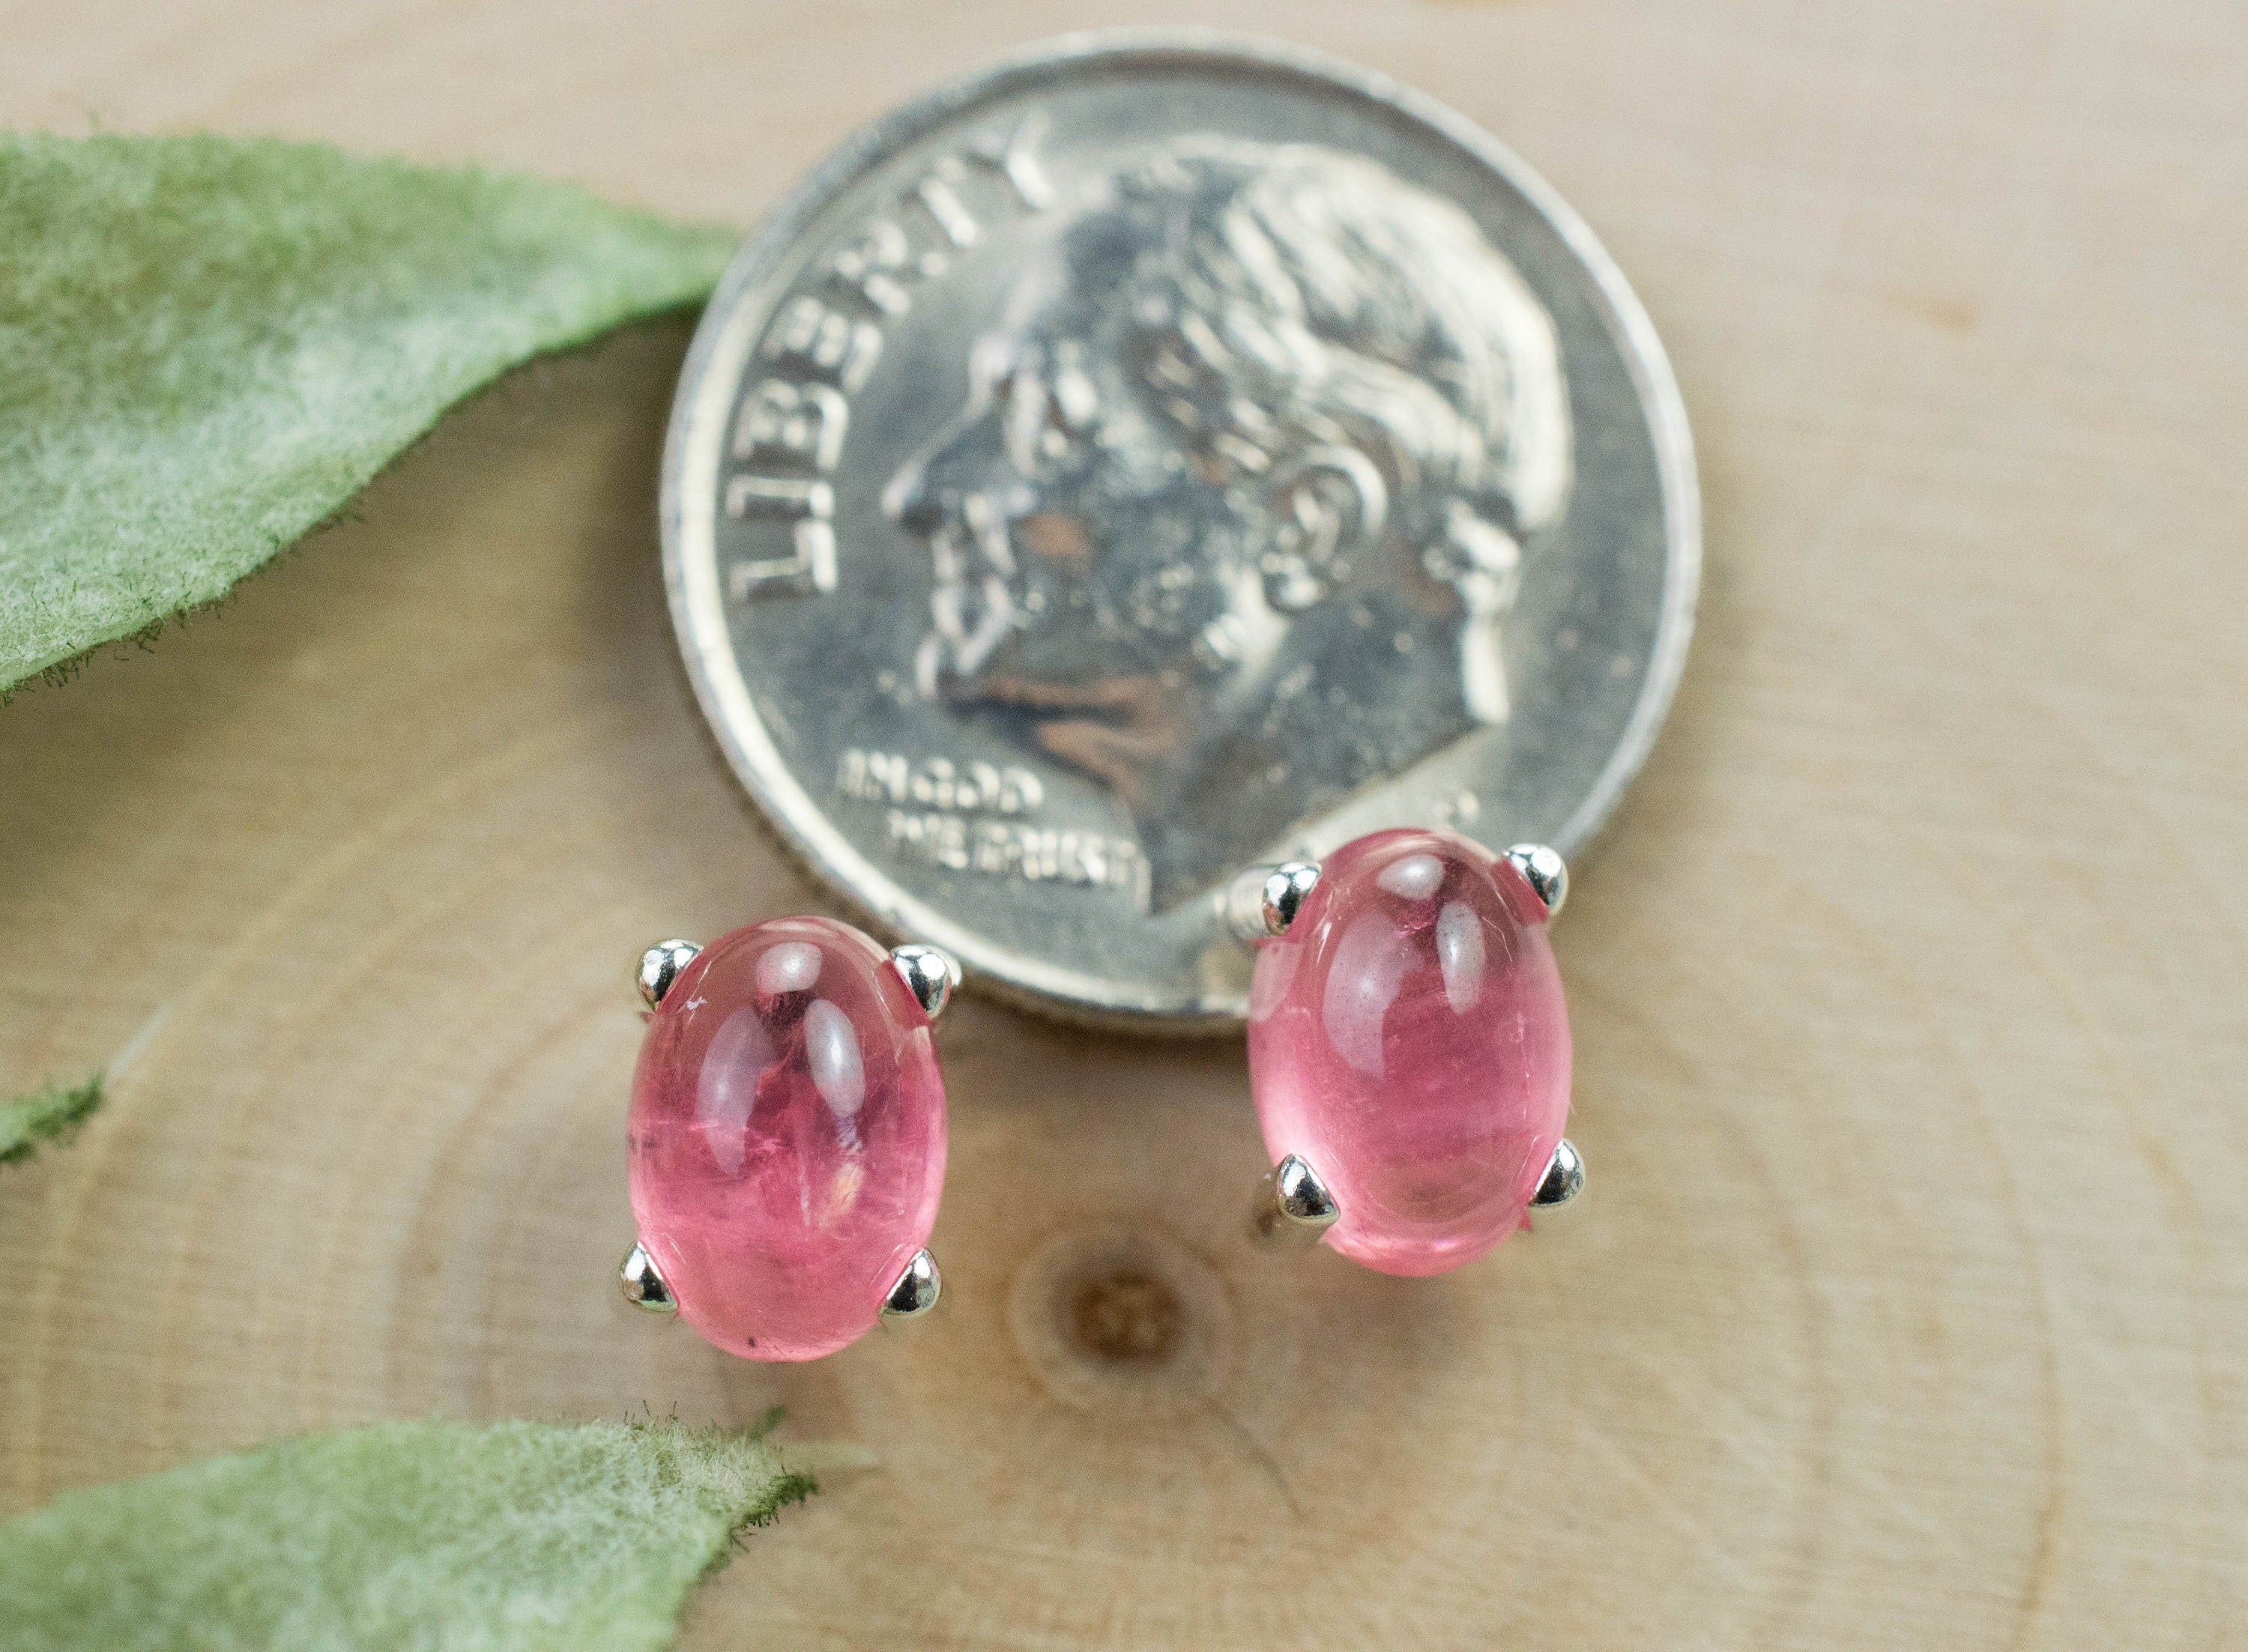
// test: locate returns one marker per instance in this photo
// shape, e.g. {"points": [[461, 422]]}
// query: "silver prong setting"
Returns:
{"points": [[1263, 902], [1294, 1206], [1564, 1179], [660, 966], [643, 1284], [915, 1291], [932, 977], [1544, 871]]}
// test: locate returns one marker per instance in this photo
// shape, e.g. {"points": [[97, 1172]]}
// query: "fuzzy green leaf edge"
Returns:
{"points": [[50, 1113], [508, 1537], [209, 345]]}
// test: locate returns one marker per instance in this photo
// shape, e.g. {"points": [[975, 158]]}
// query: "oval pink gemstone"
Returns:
{"points": [[1408, 1039], [787, 1137]]}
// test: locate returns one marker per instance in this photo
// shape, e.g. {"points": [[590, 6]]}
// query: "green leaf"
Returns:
{"points": [[516, 1535], [53, 1113], [209, 345]]}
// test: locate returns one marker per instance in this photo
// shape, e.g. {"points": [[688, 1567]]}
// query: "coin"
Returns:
{"points": [[1157, 455]]}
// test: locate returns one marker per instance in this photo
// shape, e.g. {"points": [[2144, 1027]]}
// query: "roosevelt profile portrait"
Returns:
{"points": [[1235, 508]]}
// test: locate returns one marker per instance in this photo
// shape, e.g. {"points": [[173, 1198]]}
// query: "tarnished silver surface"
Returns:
{"points": [[1158, 455]]}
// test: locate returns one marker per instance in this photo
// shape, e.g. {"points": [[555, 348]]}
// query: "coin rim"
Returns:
{"points": [[699, 614]]}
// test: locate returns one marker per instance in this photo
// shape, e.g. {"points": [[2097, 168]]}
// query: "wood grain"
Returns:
{"points": [[1909, 1307]]}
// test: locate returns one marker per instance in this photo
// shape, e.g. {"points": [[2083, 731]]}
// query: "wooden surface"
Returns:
{"points": [[1909, 1309]]}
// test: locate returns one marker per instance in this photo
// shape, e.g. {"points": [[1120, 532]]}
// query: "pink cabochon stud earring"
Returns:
{"points": [[787, 1136], [1409, 1047]]}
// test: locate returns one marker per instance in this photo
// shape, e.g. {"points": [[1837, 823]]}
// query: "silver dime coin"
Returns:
{"points": [[1157, 455]]}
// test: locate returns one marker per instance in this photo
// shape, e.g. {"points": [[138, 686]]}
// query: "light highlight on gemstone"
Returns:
{"points": [[1409, 1039]]}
